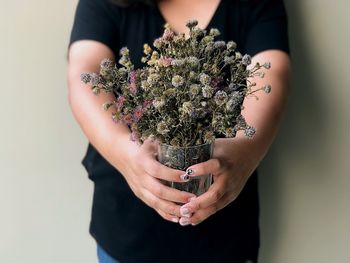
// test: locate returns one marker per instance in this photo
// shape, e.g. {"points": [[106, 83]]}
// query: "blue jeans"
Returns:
{"points": [[103, 257]]}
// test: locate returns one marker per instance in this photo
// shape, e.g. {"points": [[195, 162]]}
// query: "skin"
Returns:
{"points": [[234, 160]]}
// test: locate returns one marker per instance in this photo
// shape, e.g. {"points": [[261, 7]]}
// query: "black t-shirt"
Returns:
{"points": [[122, 224]]}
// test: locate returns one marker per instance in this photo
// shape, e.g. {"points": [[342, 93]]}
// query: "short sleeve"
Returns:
{"points": [[95, 20], [267, 27]]}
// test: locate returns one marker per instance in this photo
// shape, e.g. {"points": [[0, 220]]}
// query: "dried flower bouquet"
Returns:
{"points": [[189, 92]]}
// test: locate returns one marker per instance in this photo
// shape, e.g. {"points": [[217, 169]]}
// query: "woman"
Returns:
{"points": [[134, 217]]}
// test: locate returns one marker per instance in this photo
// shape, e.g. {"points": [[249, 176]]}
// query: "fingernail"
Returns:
{"points": [[185, 177], [184, 221], [185, 211], [190, 171], [175, 220]]}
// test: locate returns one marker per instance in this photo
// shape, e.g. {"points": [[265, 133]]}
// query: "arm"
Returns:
{"points": [[236, 159], [86, 107], [136, 163]]}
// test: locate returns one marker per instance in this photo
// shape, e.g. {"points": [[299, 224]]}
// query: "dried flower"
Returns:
{"points": [[214, 32], [158, 43], [178, 62], [204, 79], [85, 77], [187, 108], [127, 119], [249, 131], [230, 132], [147, 49], [231, 45], [233, 86], [145, 85], [138, 112], [229, 60], [94, 79], [106, 63], [177, 81], [267, 88], [220, 98], [124, 51], [175, 142], [164, 62], [120, 102], [218, 120], [219, 44], [195, 89], [192, 61], [133, 80], [207, 40], [209, 137], [107, 105], [267, 65], [162, 128], [246, 60], [235, 99], [207, 91], [191, 23], [158, 103], [168, 35], [153, 79], [170, 92]]}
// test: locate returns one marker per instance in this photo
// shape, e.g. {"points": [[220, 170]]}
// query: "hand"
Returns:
{"points": [[143, 172], [235, 159], [231, 167]]}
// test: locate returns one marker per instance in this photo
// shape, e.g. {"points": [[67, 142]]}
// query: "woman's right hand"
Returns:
{"points": [[144, 173], [138, 164]]}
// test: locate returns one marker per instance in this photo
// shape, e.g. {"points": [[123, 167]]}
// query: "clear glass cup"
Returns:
{"points": [[183, 157]]}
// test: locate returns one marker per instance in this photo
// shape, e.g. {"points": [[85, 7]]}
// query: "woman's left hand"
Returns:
{"points": [[235, 159], [232, 164]]}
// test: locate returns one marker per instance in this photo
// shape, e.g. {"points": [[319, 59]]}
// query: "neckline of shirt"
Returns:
{"points": [[212, 20]]}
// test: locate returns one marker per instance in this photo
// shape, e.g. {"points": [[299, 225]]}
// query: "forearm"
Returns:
{"points": [[266, 113], [109, 138]]}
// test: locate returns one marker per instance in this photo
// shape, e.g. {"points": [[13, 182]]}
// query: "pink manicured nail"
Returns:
{"points": [[185, 211], [175, 220], [184, 221]]}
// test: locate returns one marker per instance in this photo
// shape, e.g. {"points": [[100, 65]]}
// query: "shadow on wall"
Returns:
{"points": [[300, 133]]}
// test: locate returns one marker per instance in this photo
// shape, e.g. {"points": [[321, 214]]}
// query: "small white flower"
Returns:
{"points": [[177, 81]]}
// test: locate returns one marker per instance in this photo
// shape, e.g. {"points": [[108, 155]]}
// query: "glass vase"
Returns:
{"points": [[183, 157]]}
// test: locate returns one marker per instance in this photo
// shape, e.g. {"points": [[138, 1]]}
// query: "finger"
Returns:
{"points": [[167, 193], [147, 159], [215, 192], [156, 203], [160, 171], [212, 166], [205, 213], [168, 217]]}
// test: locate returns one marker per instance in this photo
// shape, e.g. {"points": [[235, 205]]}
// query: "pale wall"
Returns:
{"points": [[305, 184], [45, 197]]}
